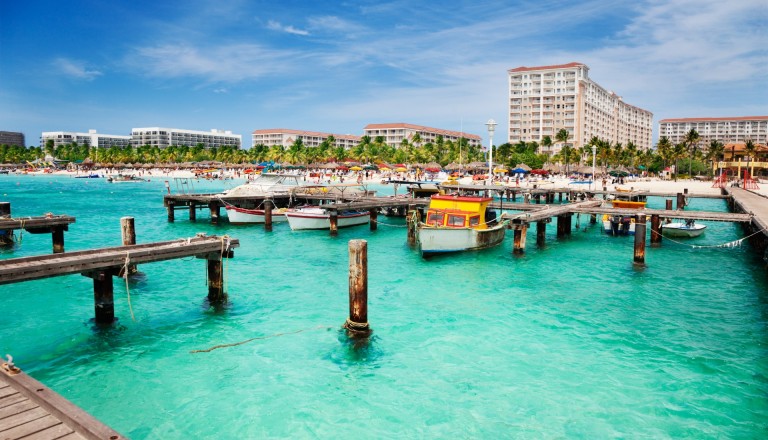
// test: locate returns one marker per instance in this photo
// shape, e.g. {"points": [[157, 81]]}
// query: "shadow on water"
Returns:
{"points": [[356, 350]]}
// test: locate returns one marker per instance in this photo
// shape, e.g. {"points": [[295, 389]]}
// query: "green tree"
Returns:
{"points": [[691, 141], [562, 136]]}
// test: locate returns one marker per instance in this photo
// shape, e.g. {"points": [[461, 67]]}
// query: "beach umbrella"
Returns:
{"points": [[618, 173], [401, 169], [370, 167], [523, 166], [356, 168], [342, 167], [540, 172]]}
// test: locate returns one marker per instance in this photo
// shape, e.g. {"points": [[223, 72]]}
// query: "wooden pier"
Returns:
{"points": [[103, 264], [745, 201], [31, 411], [46, 224]]}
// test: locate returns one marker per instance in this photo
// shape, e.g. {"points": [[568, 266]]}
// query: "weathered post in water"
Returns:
{"points": [[668, 205], [129, 238], [216, 293], [680, 201], [541, 233], [171, 206], [374, 218], [215, 212], [334, 219], [519, 243], [267, 216], [357, 323], [655, 230], [640, 240], [103, 296], [192, 211], [6, 235], [57, 234]]}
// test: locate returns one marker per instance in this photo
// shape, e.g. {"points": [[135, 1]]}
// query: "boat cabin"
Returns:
{"points": [[457, 211], [630, 199]]}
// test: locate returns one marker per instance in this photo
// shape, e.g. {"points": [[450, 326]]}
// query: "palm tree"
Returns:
{"points": [[715, 150], [691, 141], [678, 152], [546, 142], [750, 149], [562, 136]]}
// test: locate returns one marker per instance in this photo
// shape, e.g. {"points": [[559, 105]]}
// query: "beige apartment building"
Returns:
{"points": [[286, 137], [92, 138], [725, 130], [394, 133], [163, 137], [543, 100]]}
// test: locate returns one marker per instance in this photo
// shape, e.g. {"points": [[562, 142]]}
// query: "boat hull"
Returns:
{"points": [[618, 225], [445, 240], [242, 216], [301, 220], [682, 230]]}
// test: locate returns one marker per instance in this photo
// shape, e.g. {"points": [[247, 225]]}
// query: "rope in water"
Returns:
{"points": [[730, 244], [126, 271], [235, 344]]}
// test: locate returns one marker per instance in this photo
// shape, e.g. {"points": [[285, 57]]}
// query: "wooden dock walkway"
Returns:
{"points": [[742, 200], [31, 411], [47, 224]]}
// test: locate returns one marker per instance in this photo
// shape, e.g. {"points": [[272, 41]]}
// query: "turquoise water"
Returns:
{"points": [[567, 341]]}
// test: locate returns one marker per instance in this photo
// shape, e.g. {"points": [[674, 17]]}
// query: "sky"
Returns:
{"points": [[337, 66]]}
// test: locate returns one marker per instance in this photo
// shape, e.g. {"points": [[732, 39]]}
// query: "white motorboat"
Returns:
{"points": [[687, 229], [125, 178], [459, 223], [243, 216], [266, 184], [314, 217]]}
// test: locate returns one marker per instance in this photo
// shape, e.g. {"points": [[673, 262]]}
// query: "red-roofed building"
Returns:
{"points": [[395, 132], [286, 137], [545, 99], [725, 130]]}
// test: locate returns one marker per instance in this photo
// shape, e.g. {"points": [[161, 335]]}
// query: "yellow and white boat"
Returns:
{"points": [[459, 223], [615, 224]]}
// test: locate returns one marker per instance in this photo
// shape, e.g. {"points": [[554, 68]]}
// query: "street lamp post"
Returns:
{"points": [[594, 153], [491, 124]]}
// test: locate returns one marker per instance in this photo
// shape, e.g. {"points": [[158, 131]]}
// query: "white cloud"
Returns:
{"points": [[75, 69], [276, 26]]}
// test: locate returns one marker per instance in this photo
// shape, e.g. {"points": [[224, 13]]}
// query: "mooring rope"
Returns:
{"points": [[127, 289], [235, 344], [730, 244]]}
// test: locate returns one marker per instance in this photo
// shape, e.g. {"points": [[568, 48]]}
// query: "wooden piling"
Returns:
{"points": [[216, 293], [655, 230], [334, 223], [640, 240], [668, 205], [214, 207], [519, 243], [6, 235], [171, 211], [541, 233], [410, 222], [680, 201], [5, 209], [267, 215], [192, 211], [57, 234], [561, 219], [593, 219], [374, 219], [568, 223], [357, 322], [103, 297], [129, 238]]}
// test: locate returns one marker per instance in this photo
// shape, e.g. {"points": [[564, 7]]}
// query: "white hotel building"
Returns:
{"points": [[394, 133], [286, 137], [725, 130], [543, 100], [91, 138], [163, 137]]}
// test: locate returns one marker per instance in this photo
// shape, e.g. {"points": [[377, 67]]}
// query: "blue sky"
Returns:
{"points": [[338, 66]]}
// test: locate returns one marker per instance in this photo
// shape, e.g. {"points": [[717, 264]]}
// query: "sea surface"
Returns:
{"points": [[568, 341]]}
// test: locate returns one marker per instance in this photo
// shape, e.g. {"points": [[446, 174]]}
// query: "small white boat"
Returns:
{"points": [[313, 217], [687, 229], [123, 178], [243, 216]]}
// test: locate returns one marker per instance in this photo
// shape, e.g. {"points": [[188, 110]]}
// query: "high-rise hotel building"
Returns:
{"points": [[163, 137], [543, 100], [92, 138], [725, 130]]}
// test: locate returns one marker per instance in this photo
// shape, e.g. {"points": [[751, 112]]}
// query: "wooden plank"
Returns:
{"points": [[56, 432], [20, 419], [36, 222], [12, 399], [41, 422], [21, 406]]}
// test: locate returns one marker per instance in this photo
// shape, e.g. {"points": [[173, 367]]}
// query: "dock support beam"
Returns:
{"points": [[103, 297], [171, 211], [215, 212], [357, 323], [561, 220], [267, 216], [374, 219], [519, 243], [216, 293], [192, 211], [6, 235], [541, 233], [640, 240], [129, 238], [334, 219], [57, 233], [655, 230], [412, 218], [680, 201]]}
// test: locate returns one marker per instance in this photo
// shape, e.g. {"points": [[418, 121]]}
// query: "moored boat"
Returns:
{"points": [[615, 224], [242, 216], [686, 229], [123, 178], [459, 223], [315, 217], [88, 176]]}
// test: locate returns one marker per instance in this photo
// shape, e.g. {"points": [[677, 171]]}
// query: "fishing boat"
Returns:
{"points": [[459, 223], [124, 178], [686, 229], [620, 224], [315, 217], [242, 216]]}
